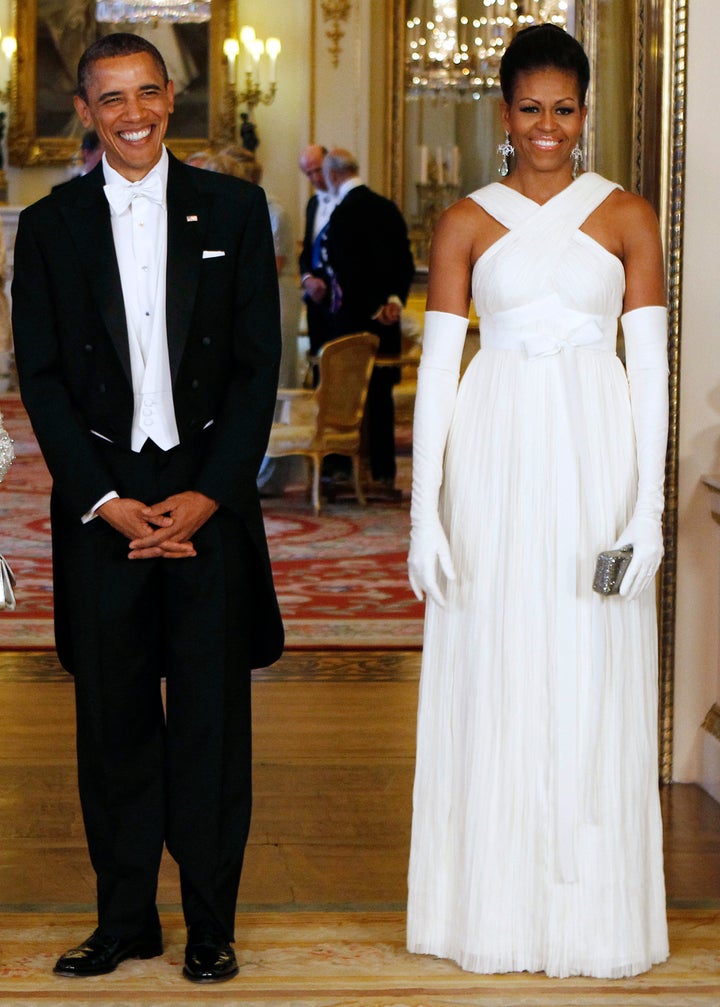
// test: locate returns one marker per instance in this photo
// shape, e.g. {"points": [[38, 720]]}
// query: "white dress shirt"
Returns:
{"points": [[345, 187], [140, 235], [325, 206]]}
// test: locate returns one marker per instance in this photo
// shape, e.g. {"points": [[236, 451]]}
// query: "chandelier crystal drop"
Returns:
{"points": [[454, 48], [152, 11]]}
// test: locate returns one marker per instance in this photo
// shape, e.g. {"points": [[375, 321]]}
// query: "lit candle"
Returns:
{"points": [[423, 164], [273, 49], [231, 48], [247, 37], [9, 46], [440, 166], [455, 166], [257, 49]]}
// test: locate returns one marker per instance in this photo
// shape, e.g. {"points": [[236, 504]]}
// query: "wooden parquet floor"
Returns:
{"points": [[321, 920]]}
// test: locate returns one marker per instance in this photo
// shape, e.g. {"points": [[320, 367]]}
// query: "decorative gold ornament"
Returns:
{"points": [[335, 11]]}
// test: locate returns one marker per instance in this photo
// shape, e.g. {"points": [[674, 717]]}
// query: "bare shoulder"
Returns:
{"points": [[452, 254], [623, 223], [636, 225], [631, 211], [468, 227], [461, 217]]}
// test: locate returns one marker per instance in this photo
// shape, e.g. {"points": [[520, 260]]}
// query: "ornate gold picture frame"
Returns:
{"points": [[51, 35]]}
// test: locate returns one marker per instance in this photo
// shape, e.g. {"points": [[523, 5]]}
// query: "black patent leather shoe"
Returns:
{"points": [[209, 958], [101, 954]]}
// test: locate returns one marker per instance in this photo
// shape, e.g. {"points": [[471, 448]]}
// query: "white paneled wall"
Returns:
{"points": [[697, 680]]}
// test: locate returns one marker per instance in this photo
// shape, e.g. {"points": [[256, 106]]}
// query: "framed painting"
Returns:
{"points": [[51, 36]]}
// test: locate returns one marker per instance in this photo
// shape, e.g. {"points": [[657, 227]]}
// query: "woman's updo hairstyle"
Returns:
{"points": [[543, 47]]}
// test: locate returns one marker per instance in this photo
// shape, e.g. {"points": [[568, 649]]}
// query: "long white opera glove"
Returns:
{"points": [[437, 384], [645, 331]]}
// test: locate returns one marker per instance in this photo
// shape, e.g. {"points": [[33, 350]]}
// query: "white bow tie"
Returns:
{"points": [[121, 194]]}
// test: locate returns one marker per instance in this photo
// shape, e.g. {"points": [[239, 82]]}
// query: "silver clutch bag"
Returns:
{"points": [[610, 569]]}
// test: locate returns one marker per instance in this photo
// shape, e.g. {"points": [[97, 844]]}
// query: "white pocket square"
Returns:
{"points": [[212, 255]]}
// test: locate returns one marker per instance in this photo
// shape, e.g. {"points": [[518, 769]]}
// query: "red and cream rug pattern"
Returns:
{"points": [[341, 576]]}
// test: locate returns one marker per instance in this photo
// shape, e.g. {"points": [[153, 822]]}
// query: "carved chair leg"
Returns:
{"points": [[359, 492], [317, 464]]}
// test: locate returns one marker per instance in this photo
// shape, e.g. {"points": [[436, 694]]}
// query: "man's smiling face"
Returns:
{"points": [[128, 104]]}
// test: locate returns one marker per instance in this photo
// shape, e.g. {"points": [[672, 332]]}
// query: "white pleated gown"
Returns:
{"points": [[536, 836]]}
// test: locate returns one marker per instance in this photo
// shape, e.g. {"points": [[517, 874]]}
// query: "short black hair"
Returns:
{"points": [[541, 47], [119, 43]]}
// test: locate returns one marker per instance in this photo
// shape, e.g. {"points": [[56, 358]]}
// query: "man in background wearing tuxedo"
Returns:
{"points": [[368, 259], [312, 272], [147, 334]]}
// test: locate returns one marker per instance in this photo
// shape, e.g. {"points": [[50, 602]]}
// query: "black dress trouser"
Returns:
{"points": [[150, 773]]}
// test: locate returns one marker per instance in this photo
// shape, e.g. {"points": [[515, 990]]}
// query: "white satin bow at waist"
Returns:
{"points": [[547, 326]]}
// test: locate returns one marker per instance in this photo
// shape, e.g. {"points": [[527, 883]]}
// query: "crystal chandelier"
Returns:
{"points": [[454, 48], [151, 11]]}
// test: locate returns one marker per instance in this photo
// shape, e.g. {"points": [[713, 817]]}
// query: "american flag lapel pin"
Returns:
{"points": [[191, 218]]}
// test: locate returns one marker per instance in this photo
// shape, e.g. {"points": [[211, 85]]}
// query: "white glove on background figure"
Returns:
{"points": [[437, 384], [645, 331]]}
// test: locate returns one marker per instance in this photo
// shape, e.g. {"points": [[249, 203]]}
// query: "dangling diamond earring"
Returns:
{"points": [[507, 150], [577, 158]]}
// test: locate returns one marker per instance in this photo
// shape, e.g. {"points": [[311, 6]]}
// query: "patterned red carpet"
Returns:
{"points": [[341, 577]]}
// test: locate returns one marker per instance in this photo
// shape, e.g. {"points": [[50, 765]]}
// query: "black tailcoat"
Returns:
{"points": [[150, 775], [368, 251], [223, 336]]}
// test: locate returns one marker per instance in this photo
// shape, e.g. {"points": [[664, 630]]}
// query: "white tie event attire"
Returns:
{"points": [[139, 225]]}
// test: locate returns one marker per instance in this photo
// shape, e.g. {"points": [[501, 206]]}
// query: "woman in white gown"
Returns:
{"points": [[536, 838]]}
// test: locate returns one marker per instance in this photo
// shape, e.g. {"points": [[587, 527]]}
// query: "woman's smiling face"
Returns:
{"points": [[545, 118]]}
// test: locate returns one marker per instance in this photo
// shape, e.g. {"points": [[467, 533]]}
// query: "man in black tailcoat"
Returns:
{"points": [[147, 332], [367, 254]]}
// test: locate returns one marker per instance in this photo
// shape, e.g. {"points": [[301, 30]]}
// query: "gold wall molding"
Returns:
{"points": [[670, 30], [336, 12]]}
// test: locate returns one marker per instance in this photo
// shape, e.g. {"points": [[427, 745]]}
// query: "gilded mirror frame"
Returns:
{"points": [[27, 147], [660, 27]]}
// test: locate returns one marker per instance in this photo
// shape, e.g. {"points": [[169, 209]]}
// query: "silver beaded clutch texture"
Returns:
{"points": [[7, 451], [610, 569]]}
